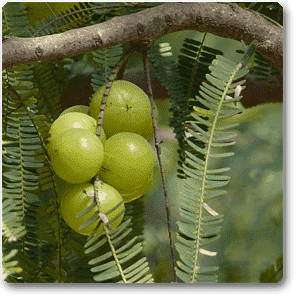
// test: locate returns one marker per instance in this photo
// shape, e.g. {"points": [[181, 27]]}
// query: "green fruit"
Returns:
{"points": [[72, 120], [74, 201], [136, 193], [128, 109], [78, 155], [128, 161], [76, 108]]}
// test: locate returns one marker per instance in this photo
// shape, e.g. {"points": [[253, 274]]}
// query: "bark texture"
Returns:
{"points": [[227, 20]]}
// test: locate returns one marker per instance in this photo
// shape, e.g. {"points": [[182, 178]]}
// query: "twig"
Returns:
{"points": [[158, 151]]}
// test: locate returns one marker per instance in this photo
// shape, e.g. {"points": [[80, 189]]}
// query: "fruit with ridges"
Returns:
{"points": [[76, 108], [74, 201], [72, 120], [128, 161], [78, 155], [128, 109]]}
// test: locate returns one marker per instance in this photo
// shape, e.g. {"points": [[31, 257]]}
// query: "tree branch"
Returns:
{"points": [[227, 20]]}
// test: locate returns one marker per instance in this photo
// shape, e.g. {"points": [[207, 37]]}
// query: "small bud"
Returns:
{"points": [[238, 90], [90, 194], [105, 219]]}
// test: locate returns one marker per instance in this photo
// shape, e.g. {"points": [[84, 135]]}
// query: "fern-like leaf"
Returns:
{"points": [[107, 60], [182, 79], [73, 21], [122, 262], [120, 258], [202, 224], [24, 138], [15, 20]]}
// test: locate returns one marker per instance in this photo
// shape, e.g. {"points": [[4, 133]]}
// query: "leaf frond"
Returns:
{"points": [[202, 224]]}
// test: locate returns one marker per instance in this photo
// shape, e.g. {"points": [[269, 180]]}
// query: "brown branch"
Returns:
{"points": [[227, 20]]}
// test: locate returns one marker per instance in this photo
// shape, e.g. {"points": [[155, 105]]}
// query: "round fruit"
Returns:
{"points": [[136, 193], [76, 108], [78, 155], [128, 161], [127, 109], [75, 201], [72, 120]]}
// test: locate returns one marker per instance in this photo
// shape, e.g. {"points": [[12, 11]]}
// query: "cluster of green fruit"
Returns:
{"points": [[122, 159]]}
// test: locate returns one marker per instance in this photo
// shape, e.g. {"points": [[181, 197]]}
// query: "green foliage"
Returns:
{"points": [[263, 70], [199, 228], [122, 261], [73, 21], [272, 11], [37, 244], [106, 60], [14, 19]]}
